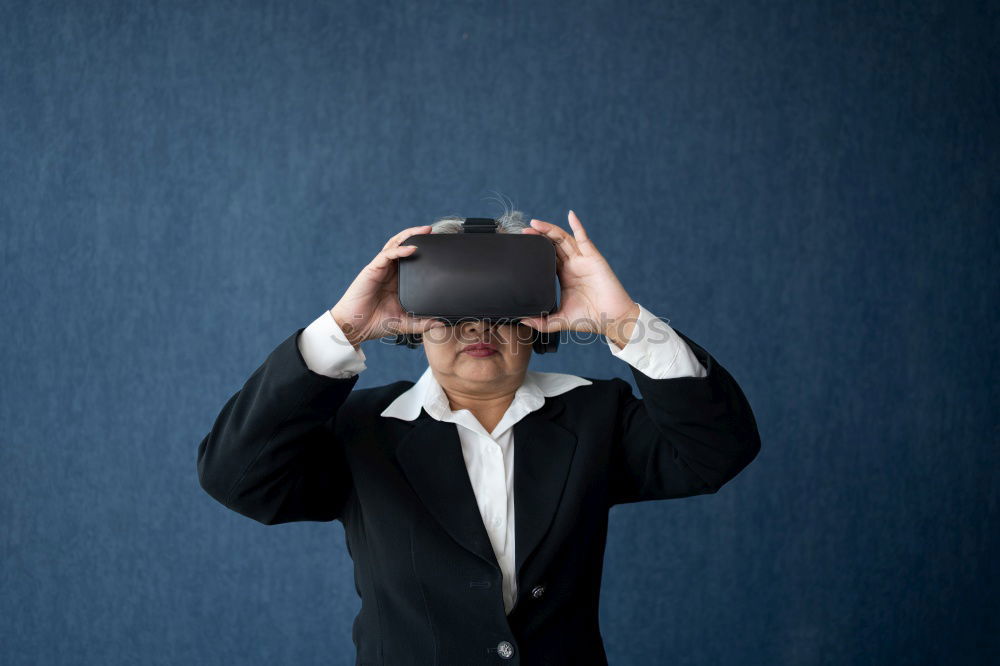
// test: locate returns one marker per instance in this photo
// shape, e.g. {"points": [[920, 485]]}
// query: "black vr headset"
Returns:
{"points": [[479, 274]]}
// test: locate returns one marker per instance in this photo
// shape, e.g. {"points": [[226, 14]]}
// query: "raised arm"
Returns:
{"points": [[694, 429], [273, 454], [685, 436]]}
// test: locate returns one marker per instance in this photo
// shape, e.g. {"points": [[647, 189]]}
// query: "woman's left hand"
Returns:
{"points": [[592, 298]]}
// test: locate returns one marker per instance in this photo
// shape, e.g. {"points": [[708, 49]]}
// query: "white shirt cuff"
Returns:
{"points": [[327, 351], [655, 349]]}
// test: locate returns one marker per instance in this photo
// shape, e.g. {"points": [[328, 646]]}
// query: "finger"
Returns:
{"points": [[549, 324], [386, 257], [406, 323], [401, 236], [582, 240], [412, 231], [557, 235], [565, 245]]}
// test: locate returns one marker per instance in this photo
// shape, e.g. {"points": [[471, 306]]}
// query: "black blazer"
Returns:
{"points": [[295, 445]]}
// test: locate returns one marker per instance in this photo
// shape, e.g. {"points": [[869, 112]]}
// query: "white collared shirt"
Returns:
{"points": [[654, 348]]}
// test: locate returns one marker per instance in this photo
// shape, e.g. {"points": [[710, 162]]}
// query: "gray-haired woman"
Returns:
{"points": [[475, 500]]}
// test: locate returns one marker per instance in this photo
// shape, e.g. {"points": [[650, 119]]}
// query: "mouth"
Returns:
{"points": [[480, 349]]}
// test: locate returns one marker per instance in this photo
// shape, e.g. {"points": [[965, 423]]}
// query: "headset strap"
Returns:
{"points": [[481, 225]]}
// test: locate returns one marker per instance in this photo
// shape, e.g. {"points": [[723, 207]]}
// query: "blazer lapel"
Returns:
{"points": [[430, 455], [543, 451]]}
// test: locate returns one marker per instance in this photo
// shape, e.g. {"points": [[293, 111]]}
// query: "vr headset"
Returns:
{"points": [[479, 274]]}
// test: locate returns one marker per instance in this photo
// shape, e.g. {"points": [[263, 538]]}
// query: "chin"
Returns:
{"points": [[482, 372]]}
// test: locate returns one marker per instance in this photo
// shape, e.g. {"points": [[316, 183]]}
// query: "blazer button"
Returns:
{"points": [[505, 649], [538, 591]]}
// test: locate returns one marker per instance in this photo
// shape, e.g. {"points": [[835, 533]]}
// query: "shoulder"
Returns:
{"points": [[603, 395], [376, 398], [593, 407], [597, 390]]}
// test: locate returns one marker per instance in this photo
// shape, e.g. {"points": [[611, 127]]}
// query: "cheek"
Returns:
{"points": [[438, 344], [437, 336], [519, 340]]}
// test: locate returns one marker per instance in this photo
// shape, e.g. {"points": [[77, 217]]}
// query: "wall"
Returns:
{"points": [[809, 190]]}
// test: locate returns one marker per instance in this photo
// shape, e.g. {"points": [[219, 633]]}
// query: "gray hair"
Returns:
{"points": [[511, 222]]}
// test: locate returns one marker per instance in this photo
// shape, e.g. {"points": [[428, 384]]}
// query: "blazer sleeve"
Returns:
{"points": [[272, 454], [686, 436]]}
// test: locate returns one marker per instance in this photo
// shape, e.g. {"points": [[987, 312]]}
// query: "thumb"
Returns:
{"points": [[540, 324], [427, 324]]}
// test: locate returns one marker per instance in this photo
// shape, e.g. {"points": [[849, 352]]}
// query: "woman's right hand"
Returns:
{"points": [[370, 309]]}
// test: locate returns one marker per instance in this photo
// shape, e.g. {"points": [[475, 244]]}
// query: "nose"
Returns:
{"points": [[478, 328]]}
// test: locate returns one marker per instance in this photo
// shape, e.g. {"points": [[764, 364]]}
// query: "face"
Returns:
{"points": [[488, 372]]}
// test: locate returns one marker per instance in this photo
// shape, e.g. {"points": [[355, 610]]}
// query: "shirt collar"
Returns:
{"points": [[427, 393]]}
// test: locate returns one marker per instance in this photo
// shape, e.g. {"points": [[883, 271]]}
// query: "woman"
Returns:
{"points": [[475, 500]]}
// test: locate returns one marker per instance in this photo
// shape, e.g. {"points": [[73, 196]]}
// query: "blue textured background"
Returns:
{"points": [[809, 190]]}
